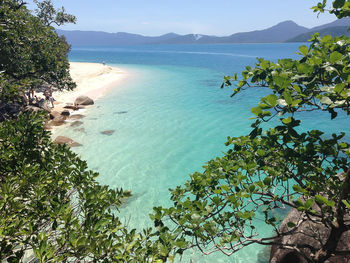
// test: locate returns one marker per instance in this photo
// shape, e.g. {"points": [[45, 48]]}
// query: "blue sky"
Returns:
{"points": [[213, 17]]}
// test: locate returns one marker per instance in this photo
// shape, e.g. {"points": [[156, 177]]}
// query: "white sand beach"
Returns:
{"points": [[92, 79]]}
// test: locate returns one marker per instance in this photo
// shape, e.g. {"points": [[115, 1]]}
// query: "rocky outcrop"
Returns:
{"points": [[307, 233], [83, 100], [108, 132], [67, 141]]}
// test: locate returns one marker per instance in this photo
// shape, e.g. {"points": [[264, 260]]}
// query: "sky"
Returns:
{"points": [[211, 17]]}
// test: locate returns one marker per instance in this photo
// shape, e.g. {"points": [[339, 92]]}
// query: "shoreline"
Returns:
{"points": [[93, 80]]}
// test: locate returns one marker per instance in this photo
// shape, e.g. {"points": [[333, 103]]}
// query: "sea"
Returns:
{"points": [[169, 118]]}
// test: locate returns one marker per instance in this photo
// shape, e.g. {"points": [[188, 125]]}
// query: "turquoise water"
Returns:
{"points": [[170, 117]]}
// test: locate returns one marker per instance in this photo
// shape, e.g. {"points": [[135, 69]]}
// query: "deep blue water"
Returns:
{"points": [[174, 119]]}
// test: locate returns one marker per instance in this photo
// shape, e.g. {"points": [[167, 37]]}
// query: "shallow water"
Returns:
{"points": [[170, 117]]}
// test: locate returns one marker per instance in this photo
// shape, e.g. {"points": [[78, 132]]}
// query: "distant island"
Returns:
{"points": [[287, 31]]}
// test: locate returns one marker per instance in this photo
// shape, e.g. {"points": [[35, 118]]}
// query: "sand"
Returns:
{"points": [[92, 79]]}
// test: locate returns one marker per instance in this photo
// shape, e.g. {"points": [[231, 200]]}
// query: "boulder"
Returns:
{"points": [[66, 140], [108, 132], [54, 114], [58, 120], [307, 231], [83, 100], [65, 113]]}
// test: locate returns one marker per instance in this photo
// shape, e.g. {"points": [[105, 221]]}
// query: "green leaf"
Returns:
{"points": [[335, 57], [256, 110], [287, 97], [272, 100], [287, 120], [309, 203], [345, 202], [304, 50], [321, 199], [291, 224]]}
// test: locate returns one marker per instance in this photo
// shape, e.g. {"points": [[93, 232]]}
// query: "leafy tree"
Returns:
{"points": [[52, 206], [272, 168], [31, 53], [52, 209]]}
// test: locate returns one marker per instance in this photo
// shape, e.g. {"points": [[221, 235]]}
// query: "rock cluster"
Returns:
{"points": [[59, 117]]}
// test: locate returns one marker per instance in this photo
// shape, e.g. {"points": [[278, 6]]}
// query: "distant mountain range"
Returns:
{"points": [[287, 31]]}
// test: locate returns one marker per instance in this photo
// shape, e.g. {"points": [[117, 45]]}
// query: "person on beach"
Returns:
{"points": [[48, 98], [30, 93]]}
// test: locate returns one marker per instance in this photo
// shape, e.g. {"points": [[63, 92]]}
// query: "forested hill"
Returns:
{"points": [[287, 31]]}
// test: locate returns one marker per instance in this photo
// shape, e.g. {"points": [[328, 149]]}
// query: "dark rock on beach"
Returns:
{"points": [[65, 113], [83, 100], [67, 141], [108, 132]]}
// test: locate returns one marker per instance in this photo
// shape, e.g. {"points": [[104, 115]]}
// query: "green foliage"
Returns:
{"points": [[51, 204], [49, 15], [275, 168], [340, 8], [31, 52]]}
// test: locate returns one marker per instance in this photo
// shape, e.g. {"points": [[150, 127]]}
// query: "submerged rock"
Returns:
{"points": [[66, 140], [77, 116], [108, 132], [121, 112], [76, 123], [83, 100], [80, 130]]}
